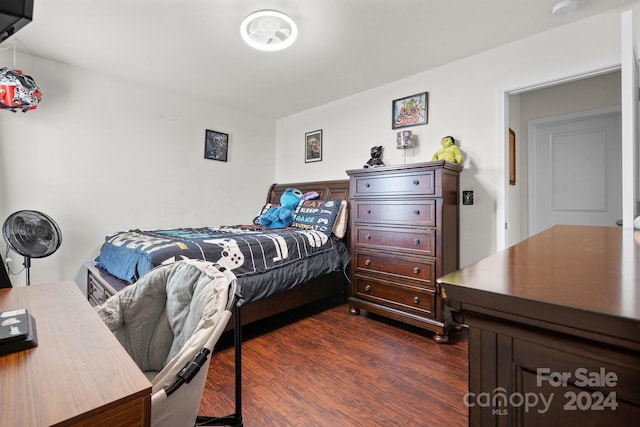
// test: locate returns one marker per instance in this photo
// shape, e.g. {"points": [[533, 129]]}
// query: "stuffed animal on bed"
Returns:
{"points": [[282, 216]]}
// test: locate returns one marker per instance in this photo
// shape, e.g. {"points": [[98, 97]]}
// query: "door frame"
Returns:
{"points": [[502, 212]]}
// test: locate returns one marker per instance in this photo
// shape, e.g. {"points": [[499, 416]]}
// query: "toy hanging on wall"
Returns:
{"points": [[376, 157], [449, 151], [18, 91]]}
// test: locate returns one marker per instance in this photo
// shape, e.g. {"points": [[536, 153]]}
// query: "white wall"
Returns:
{"points": [[465, 100], [99, 155]]}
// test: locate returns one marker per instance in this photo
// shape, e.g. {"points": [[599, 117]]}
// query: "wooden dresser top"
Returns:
{"points": [[591, 273]]}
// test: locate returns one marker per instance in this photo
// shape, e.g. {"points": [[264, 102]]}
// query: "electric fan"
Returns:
{"points": [[32, 234]]}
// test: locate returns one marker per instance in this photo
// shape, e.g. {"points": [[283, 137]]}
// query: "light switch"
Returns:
{"points": [[467, 197]]}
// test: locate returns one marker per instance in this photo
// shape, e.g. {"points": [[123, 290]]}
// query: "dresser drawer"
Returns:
{"points": [[413, 240], [381, 264], [96, 293], [400, 184], [406, 298], [411, 212]]}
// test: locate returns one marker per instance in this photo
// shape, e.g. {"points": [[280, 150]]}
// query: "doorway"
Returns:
{"points": [[569, 100]]}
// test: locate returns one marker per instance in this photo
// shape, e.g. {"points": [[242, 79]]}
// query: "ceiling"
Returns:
{"points": [[193, 47]]}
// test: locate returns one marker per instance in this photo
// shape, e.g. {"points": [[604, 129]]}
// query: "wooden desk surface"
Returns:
{"points": [[77, 371], [591, 273]]}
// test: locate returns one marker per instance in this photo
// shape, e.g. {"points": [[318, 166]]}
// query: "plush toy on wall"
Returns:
{"points": [[282, 216]]}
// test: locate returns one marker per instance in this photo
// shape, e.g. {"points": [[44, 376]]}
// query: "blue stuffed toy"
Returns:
{"points": [[282, 216]]}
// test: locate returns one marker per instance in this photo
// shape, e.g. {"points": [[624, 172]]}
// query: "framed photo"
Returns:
{"points": [[313, 146], [410, 110], [216, 145]]}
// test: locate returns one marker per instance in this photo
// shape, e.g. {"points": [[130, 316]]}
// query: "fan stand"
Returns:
{"points": [[27, 266]]}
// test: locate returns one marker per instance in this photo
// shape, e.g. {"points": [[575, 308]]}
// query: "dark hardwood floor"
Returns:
{"points": [[331, 368]]}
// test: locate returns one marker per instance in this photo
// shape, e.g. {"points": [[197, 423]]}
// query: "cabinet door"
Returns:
{"points": [[532, 377]]}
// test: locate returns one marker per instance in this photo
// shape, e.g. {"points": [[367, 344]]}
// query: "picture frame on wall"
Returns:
{"points": [[410, 110], [313, 146], [216, 145]]}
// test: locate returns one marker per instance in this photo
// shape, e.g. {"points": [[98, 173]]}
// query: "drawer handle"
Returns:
{"points": [[416, 300], [416, 270], [417, 212], [368, 237], [367, 288], [368, 211], [367, 262], [416, 241], [367, 185], [416, 182]]}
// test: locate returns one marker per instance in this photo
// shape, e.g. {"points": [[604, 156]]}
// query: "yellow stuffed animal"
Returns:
{"points": [[449, 151]]}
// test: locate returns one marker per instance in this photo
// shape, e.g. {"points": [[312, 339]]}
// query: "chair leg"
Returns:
{"points": [[233, 420]]}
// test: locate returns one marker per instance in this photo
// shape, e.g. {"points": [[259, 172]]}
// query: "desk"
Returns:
{"points": [[78, 375], [556, 316]]}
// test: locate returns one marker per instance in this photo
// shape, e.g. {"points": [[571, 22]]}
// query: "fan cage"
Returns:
{"points": [[32, 234]]}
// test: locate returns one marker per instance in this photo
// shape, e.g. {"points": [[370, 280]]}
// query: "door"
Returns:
{"points": [[575, 163]]}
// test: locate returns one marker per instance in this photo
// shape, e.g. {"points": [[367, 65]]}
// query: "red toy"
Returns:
{"points": [[18, 91]]}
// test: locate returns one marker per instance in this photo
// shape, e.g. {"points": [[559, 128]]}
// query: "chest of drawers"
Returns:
{"points": [[404, 235]]}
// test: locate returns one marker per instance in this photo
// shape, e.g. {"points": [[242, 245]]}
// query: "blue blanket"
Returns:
{"points": [[246, 250]]}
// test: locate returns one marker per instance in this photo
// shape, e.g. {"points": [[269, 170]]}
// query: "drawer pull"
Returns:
{"points": [[368, 237], [416, 241], [417, 212], [416, 182], [367, 288], [368, 211], [416, 270], [367, 262], [416, 300], [367, 185]]}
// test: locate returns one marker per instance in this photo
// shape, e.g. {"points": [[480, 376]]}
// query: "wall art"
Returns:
{"points": [[313, 146], [216, 145], [410, 110]]}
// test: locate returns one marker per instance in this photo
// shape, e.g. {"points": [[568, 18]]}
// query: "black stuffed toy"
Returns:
{"points": [[376, 157]]}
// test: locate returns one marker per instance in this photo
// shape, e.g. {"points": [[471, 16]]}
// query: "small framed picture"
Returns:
{"points": [[216, 145], [410, 110], [313, 146]]}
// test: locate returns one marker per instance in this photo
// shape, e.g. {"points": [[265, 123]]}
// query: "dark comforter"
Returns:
{"points": [[265, 261]]}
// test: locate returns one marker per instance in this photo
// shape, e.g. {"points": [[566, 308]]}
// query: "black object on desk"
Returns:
{"points": [[17, 331]]}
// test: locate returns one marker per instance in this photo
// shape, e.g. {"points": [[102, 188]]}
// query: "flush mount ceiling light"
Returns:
{"points": [[268, 30], [564, 7]]}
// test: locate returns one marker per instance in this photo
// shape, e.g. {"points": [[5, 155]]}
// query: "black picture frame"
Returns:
{"points": [[216, 145], [410, 110], [313, 146]]}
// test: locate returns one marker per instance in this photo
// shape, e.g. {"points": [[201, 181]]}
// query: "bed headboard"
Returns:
{"points": [[338, 189]]}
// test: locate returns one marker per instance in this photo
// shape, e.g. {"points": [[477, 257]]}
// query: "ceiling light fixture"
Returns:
{"points": [[268, 30], [564, 7]]}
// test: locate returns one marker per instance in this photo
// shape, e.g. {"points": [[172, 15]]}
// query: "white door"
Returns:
{"points": [[575, 166]]}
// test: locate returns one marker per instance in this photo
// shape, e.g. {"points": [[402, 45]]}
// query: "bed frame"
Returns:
{"points": [[101, 285]]}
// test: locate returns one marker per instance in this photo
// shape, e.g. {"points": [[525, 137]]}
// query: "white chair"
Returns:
{"points": [[169, 322]]}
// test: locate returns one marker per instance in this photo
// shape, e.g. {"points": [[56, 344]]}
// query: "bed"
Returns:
{"points": [[277, 269]]}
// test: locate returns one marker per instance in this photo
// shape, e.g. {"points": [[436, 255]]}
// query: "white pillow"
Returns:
{"points": [[340, 226]]}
